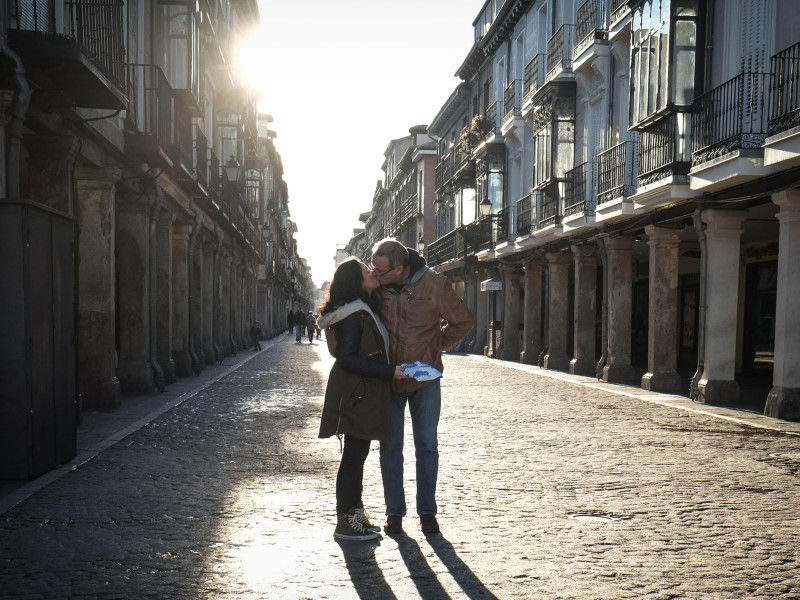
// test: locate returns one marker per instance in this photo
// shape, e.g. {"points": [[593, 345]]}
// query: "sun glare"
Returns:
{"points": [[251, 52]]}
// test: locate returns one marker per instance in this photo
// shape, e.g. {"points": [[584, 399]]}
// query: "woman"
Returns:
{"points": [[359, 387]]}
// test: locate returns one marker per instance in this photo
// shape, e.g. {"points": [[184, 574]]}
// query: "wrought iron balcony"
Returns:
{"points": [[559, 51], [550, 206], [730, 117], [615, 172], [534, 77], [492, 125], [524, 214], [577, 198], [590, 25], [448, 247], [214, 179], [482, 234], [84, 37], [200, 156], [512, 101], [148, 136], [505, 226], [784, 112], [619, 8], [662, 149], [408, 210]]}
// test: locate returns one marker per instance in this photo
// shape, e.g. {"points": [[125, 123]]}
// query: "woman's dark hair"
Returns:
{"points": [[345, 287]]}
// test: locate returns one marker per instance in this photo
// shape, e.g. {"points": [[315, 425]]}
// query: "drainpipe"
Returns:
{"points": [[700, 229], [601, 245], [19, 108]]}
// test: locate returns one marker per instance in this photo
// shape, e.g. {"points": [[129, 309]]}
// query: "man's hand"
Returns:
{"points": [[399, 375]]}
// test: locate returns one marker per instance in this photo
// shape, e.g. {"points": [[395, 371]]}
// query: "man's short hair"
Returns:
{"points": [[394, 251]]}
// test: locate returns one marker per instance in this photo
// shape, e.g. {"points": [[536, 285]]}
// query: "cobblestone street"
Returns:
{"points": [[551, 487]]}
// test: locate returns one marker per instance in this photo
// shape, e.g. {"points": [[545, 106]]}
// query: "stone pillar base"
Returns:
{"points": [[618, 373], [555, 362], [183, 365], [662, 381], [718, 391], [136, 379], [783, 403], [167, 368], [100, 395], [582, 367], [528, 358]]}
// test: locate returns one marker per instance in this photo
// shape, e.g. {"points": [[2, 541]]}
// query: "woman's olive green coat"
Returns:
{"points": [[356, 404]]}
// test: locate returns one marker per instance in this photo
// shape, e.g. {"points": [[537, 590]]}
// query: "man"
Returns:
{"points": [[423, 316]]}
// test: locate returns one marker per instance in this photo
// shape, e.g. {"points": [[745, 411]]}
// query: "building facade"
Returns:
{"points": [[145, 222], [617, 189]]}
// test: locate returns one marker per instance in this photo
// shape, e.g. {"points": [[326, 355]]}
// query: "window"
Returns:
{"points": [[177, 43], [663, 58]]}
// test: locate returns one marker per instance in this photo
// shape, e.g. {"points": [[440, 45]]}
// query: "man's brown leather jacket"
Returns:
{"points": [[423, 319]]}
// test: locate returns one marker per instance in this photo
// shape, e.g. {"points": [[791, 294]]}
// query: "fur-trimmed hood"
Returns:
{"points": [[345, 310]]}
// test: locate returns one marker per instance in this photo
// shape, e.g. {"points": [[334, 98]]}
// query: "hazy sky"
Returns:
{"points": [[341, 80]]}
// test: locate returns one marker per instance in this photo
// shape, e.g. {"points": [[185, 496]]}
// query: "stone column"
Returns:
{"points": [[618, 367], [97, 352], [180, 299], [133, 260], [662, 340], [196, 297], [723, 244], [224, 326], [532, 333], [558, 310], [584, 318], [783, 401], [51, 159], [164, 295], [481, 313], [208, 303], [511, 312]]}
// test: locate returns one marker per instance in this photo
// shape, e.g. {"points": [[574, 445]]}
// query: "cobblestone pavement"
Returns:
{"points": [[551, 487]]}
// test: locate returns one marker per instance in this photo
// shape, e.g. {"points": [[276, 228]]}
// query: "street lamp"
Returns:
{"points": [[486, 206], [232, 168], [421, 244]]}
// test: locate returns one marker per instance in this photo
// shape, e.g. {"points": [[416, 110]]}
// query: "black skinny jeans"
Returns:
{"points": [[349, 480]]}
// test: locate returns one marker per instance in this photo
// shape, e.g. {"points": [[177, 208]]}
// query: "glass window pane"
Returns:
{"points": [[685, 49]]}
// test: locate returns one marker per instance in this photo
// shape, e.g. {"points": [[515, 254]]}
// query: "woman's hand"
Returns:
{"points": [[399, 375]]}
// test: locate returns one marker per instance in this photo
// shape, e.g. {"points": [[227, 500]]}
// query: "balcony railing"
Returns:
{"points": [[492, 122], [577, 199], [616, 172], [214, 179], [559, 51], [200, 156], [448, 247], [184, 141], [662, 149], [534, 77], [784, 111], [524, 214], [96, 25], [505, 226], [550, 206], [408, 210], [151, 114], [731, 117], [512, 100], [483, 233], [590, 25], [619, 8]]}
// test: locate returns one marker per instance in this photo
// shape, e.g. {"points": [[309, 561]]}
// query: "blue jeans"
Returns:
{"points": [[298, 332], [424, 406]]}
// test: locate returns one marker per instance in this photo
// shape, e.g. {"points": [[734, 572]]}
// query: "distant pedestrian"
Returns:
{"points": [[357, 395], [299, 324], [290, 320], [319, 329], [255, 332], [311, 326], [423, 316]]}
